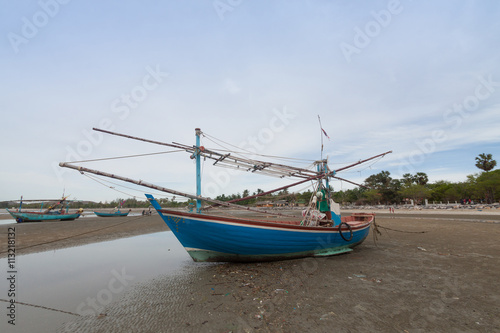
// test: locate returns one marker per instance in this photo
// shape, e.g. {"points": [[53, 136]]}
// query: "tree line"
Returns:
{"points": [[478, 188], [381, 188], [483, 187]]}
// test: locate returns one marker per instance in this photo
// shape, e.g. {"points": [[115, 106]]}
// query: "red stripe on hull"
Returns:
{"points": [[357, 221]]}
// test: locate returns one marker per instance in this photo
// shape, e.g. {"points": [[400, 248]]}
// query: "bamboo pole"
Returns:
{"points": [[164, 189], [363, 161]]}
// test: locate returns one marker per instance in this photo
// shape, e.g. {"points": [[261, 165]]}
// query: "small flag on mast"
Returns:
{"points": [[325, 133], [321, 126]]}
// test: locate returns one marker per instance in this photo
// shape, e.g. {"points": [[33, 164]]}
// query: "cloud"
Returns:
{"points": [[231, 87]]}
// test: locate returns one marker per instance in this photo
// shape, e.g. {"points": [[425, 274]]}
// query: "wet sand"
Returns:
{"points": [[44, 236], [427, 272]]}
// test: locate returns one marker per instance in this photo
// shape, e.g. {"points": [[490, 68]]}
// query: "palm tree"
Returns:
{"points": [[485, 162], [421, 178]]}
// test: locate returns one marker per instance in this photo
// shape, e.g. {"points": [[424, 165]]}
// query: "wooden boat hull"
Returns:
{"points": [[115, 214], [21, 217], [215, 238]]}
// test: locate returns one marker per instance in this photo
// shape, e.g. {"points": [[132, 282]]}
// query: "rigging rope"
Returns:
{"points": [[41, 307], [128, 156], [100, 181], [225, 149], [212, 138], [111, 187], [309, 218], [403, 231], [356, 169]]}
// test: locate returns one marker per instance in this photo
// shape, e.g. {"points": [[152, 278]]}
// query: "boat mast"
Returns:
{"points": [[198, 170], [323, 172], [321, 135], [322, 166]]}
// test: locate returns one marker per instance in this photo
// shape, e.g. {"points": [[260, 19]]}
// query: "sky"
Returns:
{"points": [[420, 79]]}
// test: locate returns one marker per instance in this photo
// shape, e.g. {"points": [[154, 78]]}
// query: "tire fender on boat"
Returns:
{"points": [[350, 232]]}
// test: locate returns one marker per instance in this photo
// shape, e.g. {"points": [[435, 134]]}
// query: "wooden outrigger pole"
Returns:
{"points": [[197, 152], [164, 189], [51, 207]]}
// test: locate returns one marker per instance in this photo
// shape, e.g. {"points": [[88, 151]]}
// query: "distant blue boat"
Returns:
{"points": [[48, 214], [43, 216], [114, 214]]}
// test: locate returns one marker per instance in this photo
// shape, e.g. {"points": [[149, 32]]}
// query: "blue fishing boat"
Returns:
{"points": [[321, 230], [216, 238], [116, 213], [112, 214], [45, 216]]}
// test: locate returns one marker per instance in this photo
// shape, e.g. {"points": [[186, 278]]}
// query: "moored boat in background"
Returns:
{"points": [[111, 214], [48, 215], [116, 213]]}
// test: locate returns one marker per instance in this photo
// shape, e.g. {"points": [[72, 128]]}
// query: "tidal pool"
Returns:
{"points": [[55, 286]]}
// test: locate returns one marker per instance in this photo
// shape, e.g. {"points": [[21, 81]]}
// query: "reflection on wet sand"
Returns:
{"points": [[55, 286]]}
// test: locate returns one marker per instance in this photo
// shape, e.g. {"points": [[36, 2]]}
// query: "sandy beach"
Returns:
{"points": [[428, 271]]}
